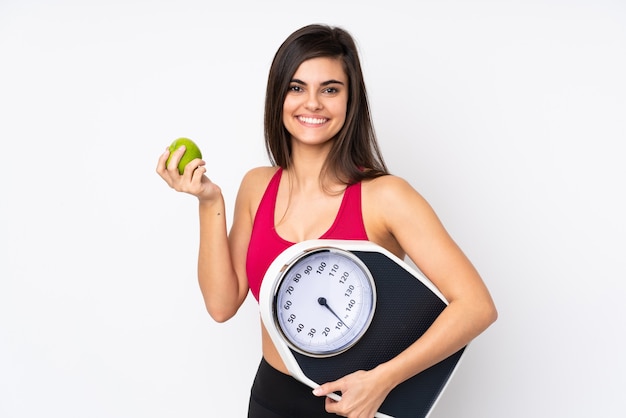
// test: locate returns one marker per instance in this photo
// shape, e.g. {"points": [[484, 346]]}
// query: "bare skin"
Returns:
{"points": [[396, 217]]}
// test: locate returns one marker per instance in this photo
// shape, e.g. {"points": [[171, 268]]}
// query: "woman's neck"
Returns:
{"points": [[306, 170]]}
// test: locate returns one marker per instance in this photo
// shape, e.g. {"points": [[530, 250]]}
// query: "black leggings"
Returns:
{"points": [[277, 395]]}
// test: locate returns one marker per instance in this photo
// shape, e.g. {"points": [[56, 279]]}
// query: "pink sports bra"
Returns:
{"points": [[265, 244]]}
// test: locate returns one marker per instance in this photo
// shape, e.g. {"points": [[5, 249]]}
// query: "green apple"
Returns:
{"points": [[191, 152]]}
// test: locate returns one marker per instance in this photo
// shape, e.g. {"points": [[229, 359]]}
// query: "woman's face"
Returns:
{"points": [[316, 104]]}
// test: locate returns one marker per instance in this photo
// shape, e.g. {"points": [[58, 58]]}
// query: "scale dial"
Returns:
{"points": [[324, 302]]}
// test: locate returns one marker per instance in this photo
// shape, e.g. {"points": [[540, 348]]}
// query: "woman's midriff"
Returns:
{"points": [[270, 353]]}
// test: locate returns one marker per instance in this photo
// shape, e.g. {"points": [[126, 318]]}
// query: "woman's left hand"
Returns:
{"points": [[362, 393]]}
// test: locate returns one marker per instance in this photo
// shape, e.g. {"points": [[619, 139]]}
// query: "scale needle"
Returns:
{"points": [[322, 301]]}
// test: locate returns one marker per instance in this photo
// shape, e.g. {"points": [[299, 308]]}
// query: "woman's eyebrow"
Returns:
{"points": [[325, 83]]}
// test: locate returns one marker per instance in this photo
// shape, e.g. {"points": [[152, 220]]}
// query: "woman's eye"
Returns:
{"points": [[295, 88], [330, 90]]}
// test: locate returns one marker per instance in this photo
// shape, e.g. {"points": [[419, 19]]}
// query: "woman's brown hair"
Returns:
{"points": [[355, 154]]}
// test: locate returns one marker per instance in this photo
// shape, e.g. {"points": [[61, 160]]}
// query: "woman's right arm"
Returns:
{"points": [[221, 259]]}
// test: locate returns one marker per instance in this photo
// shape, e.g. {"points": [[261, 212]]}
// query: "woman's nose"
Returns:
{"points": [[313, 102]]}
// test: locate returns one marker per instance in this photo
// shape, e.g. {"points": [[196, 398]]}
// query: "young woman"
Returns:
{"points": [[327, 179]]}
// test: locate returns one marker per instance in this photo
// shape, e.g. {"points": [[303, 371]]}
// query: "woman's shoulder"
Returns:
{"points": [[262, 172], [392, 195], [253, 186], [388, 184], [255, 181]]}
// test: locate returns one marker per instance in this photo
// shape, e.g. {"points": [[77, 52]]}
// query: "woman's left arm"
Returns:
{"points": [[400, 217]]}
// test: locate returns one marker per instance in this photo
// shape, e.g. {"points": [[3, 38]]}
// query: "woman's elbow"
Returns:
{"points": [[222, 305], [220, 314], [490, 313]]}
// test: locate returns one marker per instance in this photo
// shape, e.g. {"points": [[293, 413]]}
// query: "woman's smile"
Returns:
{"points": [[312, 120]]}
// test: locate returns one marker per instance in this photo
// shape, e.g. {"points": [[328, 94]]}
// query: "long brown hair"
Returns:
{"points": [[355, 154]]}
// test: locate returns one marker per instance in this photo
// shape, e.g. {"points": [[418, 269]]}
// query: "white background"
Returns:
{"points": [[508, 116]]}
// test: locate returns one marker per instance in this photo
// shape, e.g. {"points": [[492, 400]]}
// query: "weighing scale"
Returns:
{"points": [[333, 307]]}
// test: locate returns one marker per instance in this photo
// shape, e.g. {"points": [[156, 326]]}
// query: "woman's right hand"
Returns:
{"points": [[193, 180]]}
